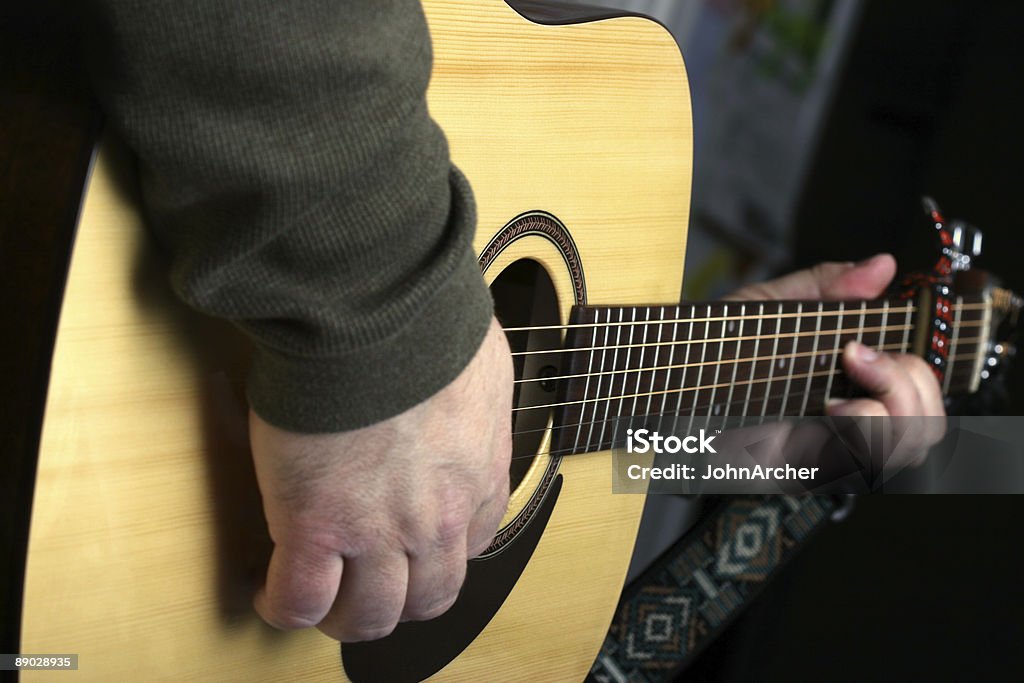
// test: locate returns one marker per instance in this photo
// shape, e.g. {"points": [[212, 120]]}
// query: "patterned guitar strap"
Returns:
{"points": [[701, 584]]}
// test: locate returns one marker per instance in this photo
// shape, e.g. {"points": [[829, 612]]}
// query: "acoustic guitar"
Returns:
{"points": [[146, 537]]}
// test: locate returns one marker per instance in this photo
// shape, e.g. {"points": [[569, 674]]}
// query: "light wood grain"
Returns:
{"points": [[135, 559]]}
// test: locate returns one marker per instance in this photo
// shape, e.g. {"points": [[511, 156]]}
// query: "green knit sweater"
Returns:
{"points": [[290, 167]]}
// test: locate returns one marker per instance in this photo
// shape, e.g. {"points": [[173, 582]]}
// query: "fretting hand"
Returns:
{"points": [[899, 384]]}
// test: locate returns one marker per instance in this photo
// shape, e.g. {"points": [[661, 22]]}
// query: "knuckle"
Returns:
{"points": [[453, 518], [426, 610], [364, 632]]}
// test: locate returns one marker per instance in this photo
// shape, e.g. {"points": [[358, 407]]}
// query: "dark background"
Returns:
{"points": [[908, 587]]}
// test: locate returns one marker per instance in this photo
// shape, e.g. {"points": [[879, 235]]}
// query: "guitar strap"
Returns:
{"points": [[695, 589]]}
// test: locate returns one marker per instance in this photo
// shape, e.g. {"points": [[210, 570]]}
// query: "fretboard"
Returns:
{"points": [[749, 361]]}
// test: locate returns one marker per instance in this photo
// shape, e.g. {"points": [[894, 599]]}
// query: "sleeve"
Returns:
{"points": [[289, 166]]}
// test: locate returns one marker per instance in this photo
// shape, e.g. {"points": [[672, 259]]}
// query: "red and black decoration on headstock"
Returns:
{"points": [[939, 283]]}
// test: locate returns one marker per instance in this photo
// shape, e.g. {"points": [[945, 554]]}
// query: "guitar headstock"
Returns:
{"points": [[967, 325]]}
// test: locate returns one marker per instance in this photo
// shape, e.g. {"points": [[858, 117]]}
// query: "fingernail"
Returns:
{"points": [[866, 261], [861, 352]]}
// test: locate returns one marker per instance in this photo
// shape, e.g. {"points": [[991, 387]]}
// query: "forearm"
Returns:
{"points": [[289, 165]]}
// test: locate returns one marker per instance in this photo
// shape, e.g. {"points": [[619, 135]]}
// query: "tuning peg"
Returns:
{"points": [[966, 238]]}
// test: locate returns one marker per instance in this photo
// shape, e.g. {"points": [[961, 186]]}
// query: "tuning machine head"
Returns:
{"points": [[959, 241], [966, 245]]}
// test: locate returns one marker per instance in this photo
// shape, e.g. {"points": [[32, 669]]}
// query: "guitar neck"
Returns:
{"points": [[754, 360]]}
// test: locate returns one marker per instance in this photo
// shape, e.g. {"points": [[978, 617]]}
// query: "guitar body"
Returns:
{"points": [[147, 539]]}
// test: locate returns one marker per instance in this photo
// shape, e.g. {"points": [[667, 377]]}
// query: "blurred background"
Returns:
{"points": [[818, 126]]}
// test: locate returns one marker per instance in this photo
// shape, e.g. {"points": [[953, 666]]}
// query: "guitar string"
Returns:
{"points": [[679, 366], [900, 309], [768, 398], [746, 401], [561, 378], [714, 340], [727, 318], [590, 400], [590, 448], [779, 335]]}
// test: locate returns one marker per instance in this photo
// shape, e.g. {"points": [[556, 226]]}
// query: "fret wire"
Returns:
{"points": [[697, 341], [640, 361], [640, 373], [753, 367], [906, 332], [814, 352], [771, 368], [885, 322], [634, 326], [792, 366], [671, 357], [700, 371], [656, 353], [611, 381], [597, 390], [586, 387], [686, 361], [835, 354], [735, 365], [859, 340], [718, 368]]}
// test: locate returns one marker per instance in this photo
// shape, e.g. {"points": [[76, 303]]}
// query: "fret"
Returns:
{"points": [[671, 360], [885, 325], [712, 408], [640, 362], [840, 324], [812, 361], [700, 370], [736, 365], [600, 377], [686, 363], [611, 380], [905, 347], [771, 364], [753, 365], [654, 361], [859, 339], [792, 361]]}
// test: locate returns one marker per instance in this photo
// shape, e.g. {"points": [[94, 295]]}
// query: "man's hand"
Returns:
{"points": [[899, 384], [374, 526]]}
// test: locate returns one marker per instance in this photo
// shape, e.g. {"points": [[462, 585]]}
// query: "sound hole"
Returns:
{"points": [[524, 296]]}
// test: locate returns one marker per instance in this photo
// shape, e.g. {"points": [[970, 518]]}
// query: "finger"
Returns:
{"points": [[855, 407], [370, 599], [302, 583], [883, 377], [907, 449], [932, 405], [830, 281], [435, 578]]}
